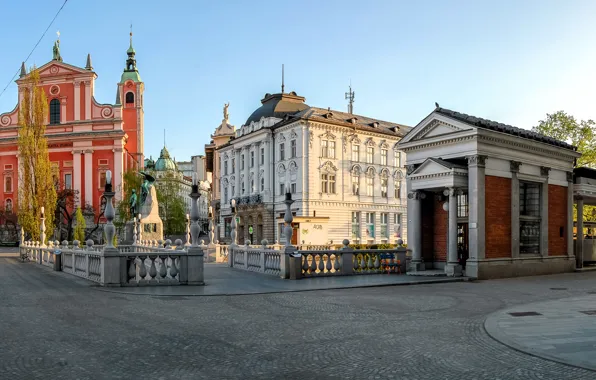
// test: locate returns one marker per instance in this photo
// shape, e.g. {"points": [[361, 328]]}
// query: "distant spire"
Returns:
{"points": [[88, 66], [282, 78], [350, 97], [164, 137], [23, 70]]}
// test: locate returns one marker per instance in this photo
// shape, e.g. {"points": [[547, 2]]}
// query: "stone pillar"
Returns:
{"points": [[452, 268], [476, 214], [87, 100], [569, 224], [118, 170], [246, 171], [76, 177], [544, 214], [77, 100], [415, 229], [514, 167], [63, 110], [579, 253], [89, 176]]}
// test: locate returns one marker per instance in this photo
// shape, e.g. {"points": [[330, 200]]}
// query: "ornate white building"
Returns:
{"points": [[345, 173]]}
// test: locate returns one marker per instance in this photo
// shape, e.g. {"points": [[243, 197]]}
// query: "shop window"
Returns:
{"points": [[529, 217]]}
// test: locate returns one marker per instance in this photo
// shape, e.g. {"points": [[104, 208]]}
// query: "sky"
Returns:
{"points": [[508, 61]]}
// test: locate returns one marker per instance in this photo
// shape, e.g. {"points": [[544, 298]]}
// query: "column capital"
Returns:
{"points": [[477, 160], [416, 195], [77, 83], [514, 166], [410, 169], [452, 191], [569, 176], [544, 171], [88, 151], [77, 151]]}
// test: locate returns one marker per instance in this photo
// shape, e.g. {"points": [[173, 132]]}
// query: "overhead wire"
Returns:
{"points": [[34, 47]]}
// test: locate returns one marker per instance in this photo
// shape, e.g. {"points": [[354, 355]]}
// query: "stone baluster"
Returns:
{"points": [[140, 230], [42, 228], [179, 245], [188, 238], [168, 244], [134, 231], [89, 244]]}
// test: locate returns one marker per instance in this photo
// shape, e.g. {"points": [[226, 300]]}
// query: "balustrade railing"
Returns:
{"points": [[260, 260], [153, 268]]}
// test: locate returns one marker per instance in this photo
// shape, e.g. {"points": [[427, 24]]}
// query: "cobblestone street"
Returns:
{"points": [[55, 326]]}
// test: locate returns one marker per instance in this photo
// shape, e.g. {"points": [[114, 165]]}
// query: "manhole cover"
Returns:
{"points": [[588, 312], [558, 288], [524, 314]]}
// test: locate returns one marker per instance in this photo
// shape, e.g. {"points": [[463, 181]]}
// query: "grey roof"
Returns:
{"points": [[504, 128], [278, 105], [350, 120]]}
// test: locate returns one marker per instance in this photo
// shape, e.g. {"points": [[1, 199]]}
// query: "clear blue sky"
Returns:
{"points": [[510, 61]]}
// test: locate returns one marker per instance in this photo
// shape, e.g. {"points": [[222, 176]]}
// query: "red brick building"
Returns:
{"points": [[487, 199], [86, 138]]}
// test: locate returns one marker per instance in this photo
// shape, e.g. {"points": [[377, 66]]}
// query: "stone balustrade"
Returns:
{"points": [[316, 262]]}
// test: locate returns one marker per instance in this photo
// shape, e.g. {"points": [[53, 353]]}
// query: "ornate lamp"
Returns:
{"points": [[194, 212]]}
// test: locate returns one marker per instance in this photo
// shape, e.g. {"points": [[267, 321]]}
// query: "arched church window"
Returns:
{"points": [[55, 111], [130, 98]]}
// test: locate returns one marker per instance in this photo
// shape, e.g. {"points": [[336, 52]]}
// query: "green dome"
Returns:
{"points": [[164, 162]]}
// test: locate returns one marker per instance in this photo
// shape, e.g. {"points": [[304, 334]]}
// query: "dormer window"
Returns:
{"points": [[353, 120], [375, 124]]}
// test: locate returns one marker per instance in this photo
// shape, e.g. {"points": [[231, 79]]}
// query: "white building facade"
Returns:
{"points": [[344, 171]]}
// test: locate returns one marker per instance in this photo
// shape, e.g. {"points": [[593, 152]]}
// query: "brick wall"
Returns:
{"points": [[557, 219], [440, 226], [427, 227], [498, 217]]}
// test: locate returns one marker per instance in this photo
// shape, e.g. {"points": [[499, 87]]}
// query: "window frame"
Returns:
{"points": [[356, 225], [384, 156], [530, 244], [370, 154], [355, 184], [282, 151], [55, 111], [384, 187], [293, 148], [356, 152]]}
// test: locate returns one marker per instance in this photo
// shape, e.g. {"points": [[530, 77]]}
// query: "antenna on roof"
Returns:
{"points": [[282, 78], [350, 97], [164, 137]]}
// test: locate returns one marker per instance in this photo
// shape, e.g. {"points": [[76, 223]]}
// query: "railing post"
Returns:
{"points": [[109, 256], [193, 267], [347, 258], [246, 244]]}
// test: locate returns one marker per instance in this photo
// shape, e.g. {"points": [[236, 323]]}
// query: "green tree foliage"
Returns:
{"points": [[36, 184], [564, 127], [582, 134], [79, 231], [130, 180], [171, 204]]}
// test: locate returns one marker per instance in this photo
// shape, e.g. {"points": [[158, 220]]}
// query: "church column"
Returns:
{"points": [[415, 229], [118, 169], [77, 100], [89, 176], [87, 100], [452, 268], [63, 110], [76, 176]]}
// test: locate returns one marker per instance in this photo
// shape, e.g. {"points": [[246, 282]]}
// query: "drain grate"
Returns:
{"points": [[524, 314], [558, 288], [588, 312]]}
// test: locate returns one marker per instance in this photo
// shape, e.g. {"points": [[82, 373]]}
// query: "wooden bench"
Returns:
{"points": [[389, 261]]}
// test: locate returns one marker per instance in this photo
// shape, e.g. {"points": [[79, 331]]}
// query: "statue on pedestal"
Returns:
{"points": [[145, 186], [133, 203], [225, 111]]}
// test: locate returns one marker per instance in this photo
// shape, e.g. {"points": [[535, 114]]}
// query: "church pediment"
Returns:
{"points": [[435, 126], [55, 68]]}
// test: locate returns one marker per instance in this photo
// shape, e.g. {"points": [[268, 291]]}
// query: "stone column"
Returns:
{"points": [[89, 176], [63, 110], [579, 253], [544, 213], [77, 100], [514, 167], [476, 214], [569, 225], [415, 229], [76, 176], [247, 171], [87, 100], [236, 174], [452, 268]]}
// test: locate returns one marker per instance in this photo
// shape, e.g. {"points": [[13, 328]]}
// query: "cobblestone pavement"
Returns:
{"points": [[53, 326], [563, 330]]}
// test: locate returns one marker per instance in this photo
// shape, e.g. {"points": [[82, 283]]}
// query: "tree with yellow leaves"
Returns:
{"points": [[36, 185]]}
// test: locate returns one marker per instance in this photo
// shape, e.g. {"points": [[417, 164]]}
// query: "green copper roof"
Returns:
{"points": [[132, 75], [164, 162]]}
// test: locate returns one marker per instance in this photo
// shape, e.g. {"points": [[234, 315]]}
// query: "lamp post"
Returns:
{"points": [[288, 217], [233, 232], [109, 212], [194, 212]]}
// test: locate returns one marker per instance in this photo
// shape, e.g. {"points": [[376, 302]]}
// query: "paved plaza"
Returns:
{"points": [[54, 325]]}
